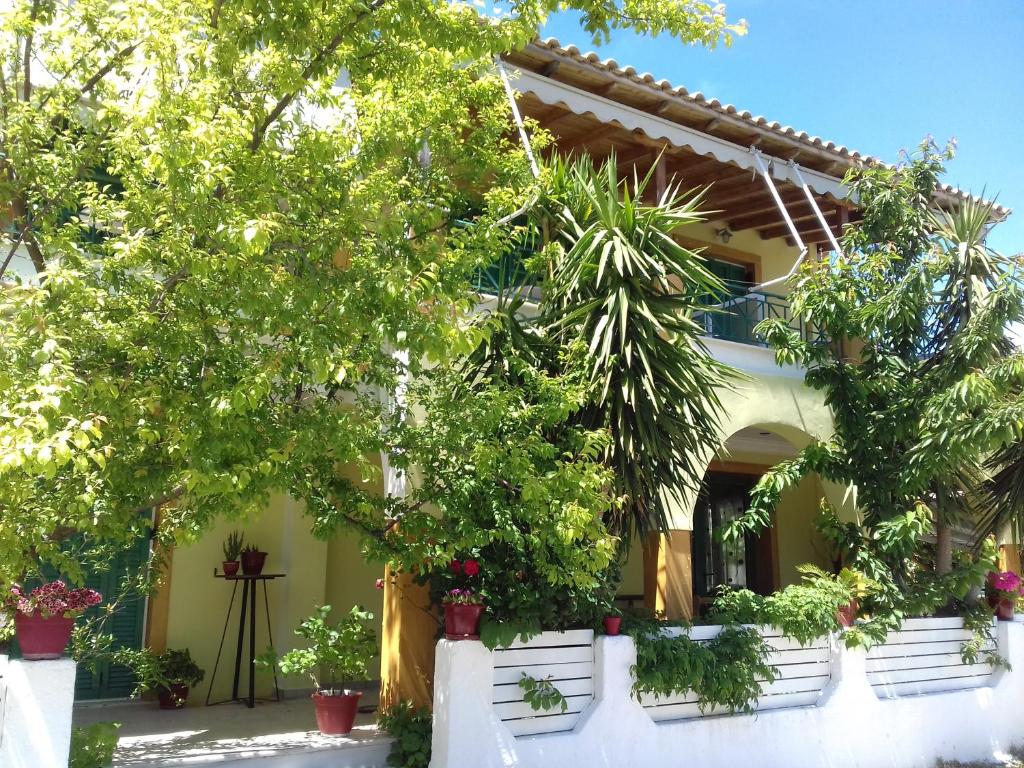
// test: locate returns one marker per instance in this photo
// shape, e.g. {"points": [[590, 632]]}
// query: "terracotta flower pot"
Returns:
{"points": [[612, 624], [1003, 607], [230, 567], [174, 697], [41, 638], [252, 563], [462, 622], [847, 614], [335, 715]]}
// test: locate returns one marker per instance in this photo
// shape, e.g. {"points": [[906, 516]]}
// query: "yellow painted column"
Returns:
{"points": [[668, 574], [408, 637]]}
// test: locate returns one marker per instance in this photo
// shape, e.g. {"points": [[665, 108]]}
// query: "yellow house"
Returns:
{"points": [[777, 199]]}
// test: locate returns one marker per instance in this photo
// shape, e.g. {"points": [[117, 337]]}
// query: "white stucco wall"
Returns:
{"points": [[850, 727], [36, 698]]}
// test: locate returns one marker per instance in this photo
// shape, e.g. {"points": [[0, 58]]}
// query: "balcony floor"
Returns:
{"points": [[281, 735]]}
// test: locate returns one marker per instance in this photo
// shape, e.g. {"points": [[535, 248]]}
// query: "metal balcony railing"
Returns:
{"points": [[739, 311]]}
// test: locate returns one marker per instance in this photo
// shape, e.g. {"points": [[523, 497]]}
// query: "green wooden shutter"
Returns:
{"points": [[126, 625]]}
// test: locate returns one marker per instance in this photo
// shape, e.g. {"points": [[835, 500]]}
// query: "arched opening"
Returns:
{"points": [[767, 561]]}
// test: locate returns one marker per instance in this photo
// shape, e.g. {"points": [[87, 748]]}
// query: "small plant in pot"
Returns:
{"points": [[1003, 590], [170, 674], [44, 617], [612, 622], [232, 550], [463, 607], [337, 653], [253, 560]]}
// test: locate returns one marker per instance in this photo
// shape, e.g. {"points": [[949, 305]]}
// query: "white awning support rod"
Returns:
{"points": [[518, 117], [817, 211], [763, 169]]}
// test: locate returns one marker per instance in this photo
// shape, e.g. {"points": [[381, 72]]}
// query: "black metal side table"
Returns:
{"points": [[249, 586]]}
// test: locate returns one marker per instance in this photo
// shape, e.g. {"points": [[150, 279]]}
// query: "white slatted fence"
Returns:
{"points": [[924, 657], [802, 674], [567, 658]]}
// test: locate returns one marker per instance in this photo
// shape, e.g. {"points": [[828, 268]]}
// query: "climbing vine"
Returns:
{"points": [[542, 694]]}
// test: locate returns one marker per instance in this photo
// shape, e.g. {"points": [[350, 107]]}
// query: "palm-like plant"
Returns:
{"points": [[615, 278]]}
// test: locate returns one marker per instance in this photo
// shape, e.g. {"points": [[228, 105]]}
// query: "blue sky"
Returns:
{"points": [[875, 75]]}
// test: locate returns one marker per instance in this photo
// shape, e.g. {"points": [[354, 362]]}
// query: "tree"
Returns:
{"points": [[613, 277], [920, 395], [220, 224]]}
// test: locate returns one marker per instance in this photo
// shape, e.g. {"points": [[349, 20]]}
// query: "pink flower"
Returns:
{"points": [[471, 567], [379, 583], [1007, 581]]}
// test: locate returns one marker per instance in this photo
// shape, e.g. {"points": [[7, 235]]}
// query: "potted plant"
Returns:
{"points": [[1004, 588], [846, 588], [612, 622], [253, 560], [232, 549], [44, 617], [170, 674], [337, 653], [462, 606]]}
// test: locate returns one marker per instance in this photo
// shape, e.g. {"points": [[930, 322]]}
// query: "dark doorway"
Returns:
{"points": [[749, 565]]}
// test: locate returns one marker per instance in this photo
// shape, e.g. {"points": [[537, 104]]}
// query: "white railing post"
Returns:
{"points": [[36, 724]]}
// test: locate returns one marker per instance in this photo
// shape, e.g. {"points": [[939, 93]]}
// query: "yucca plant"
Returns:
{"points": [[613, 276]]}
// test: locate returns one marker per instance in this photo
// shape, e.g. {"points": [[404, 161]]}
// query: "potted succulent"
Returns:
{"points": [[253, 559], [1003, 588], [44, 617], [337, 653], [462, 606], [232, 549], [170, 674]]}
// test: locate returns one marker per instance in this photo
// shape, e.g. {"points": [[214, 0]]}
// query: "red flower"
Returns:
{"points": [[471, 567], [456, 567], [379, 583]]}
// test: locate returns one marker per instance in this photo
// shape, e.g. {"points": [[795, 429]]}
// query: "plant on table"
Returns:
{"points": [[232, 550], [253, 560], [45, 616], [337, 653]]}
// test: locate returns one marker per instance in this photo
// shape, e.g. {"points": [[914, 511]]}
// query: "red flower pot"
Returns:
{"points": [[612, 624], [462, 622], [1003, 606], [173, 697], [252, 563], [335, 715], [230, 567], [41, 638], [847, 614]]}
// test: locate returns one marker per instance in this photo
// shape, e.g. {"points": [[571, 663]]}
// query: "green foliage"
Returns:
{"points": [[804, 611], [250, 548], [929, 377], [502, 479], [93, 746], [337, 653], [726, 671], [978, 620], [411, 728], [215, 240], [542, 695], [158, 671], [233, 546]]}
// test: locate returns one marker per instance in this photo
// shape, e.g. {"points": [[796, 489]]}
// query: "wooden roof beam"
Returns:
{"points": [[809, 230], [796, 210]]}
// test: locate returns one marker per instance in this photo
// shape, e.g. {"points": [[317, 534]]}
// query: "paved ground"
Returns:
{"points": [[228, 733]]}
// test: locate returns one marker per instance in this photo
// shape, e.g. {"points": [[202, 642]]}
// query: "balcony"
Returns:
{"points": [[741, 308]]}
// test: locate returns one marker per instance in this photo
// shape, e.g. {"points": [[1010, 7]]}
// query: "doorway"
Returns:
{"points": [[750, 564]]}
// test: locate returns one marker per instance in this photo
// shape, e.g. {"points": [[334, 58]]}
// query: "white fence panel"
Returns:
{"points": [[564, 658], [802, 672], [924, 657]]}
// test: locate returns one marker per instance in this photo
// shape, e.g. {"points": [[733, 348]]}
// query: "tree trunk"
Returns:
{"points": [[943, 548]]}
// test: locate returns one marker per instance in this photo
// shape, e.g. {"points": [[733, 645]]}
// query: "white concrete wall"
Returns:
{"points": [[850, 727], [36, 698]]}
